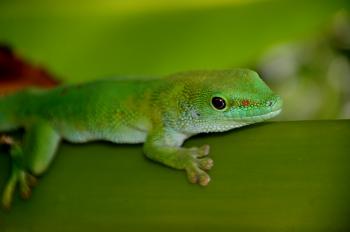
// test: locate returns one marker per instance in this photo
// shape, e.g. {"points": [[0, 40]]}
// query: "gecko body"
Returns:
{"points": [[161, 113]]}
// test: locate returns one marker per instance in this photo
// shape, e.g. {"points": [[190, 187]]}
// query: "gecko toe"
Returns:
{"points": [[26, 181], [31, 180], [192, 176], [204, 150], [7, 200], [206, 163], [204, 179], [25, 193], [199, 152], [196, 175]]}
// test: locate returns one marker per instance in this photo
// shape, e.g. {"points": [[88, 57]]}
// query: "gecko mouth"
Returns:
{"points": [[261, 117]]}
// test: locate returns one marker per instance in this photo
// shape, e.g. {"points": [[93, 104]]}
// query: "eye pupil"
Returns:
{"points": [[218, 103]]}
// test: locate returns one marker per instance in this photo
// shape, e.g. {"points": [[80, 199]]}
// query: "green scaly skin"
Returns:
{"points": [[161, 113]]}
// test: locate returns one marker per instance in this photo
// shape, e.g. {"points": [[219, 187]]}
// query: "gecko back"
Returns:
{"points": [[8, 110]]}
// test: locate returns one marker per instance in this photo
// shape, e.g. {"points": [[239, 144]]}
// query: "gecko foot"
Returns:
{"points": [[197, 165], [25, 182]]}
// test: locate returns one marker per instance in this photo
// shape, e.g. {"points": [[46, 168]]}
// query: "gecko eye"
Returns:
{"points": [[218, 102]]}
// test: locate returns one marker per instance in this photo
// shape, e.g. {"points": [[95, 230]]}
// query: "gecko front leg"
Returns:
{"points": [[164, 146]]}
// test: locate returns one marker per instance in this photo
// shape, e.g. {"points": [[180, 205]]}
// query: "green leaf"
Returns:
{"points": [[278, 176]]}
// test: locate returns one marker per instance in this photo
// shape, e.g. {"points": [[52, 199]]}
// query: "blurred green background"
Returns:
{"points": [[264, 180], [301, 48]]}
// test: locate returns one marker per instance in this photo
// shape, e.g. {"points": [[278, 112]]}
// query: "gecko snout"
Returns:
{"points": [[275, 103]]}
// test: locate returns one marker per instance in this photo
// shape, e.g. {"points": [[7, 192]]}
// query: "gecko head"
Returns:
{"points": [[230, 98]]}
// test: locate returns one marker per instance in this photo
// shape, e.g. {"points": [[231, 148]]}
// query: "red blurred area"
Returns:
{"points": [[17, 73]]}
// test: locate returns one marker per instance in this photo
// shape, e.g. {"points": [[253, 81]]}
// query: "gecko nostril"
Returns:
{"points": [[269, 103]]}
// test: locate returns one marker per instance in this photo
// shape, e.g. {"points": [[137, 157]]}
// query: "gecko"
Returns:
{"points": [[159, 112]]}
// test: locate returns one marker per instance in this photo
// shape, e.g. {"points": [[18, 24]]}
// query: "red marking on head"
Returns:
{"points": [[245, 102]]}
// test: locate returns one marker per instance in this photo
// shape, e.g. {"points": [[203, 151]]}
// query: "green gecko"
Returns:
{"points": [[161, 113]]}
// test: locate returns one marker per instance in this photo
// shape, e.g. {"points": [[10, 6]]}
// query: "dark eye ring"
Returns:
{"points": [[218, 103]]}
